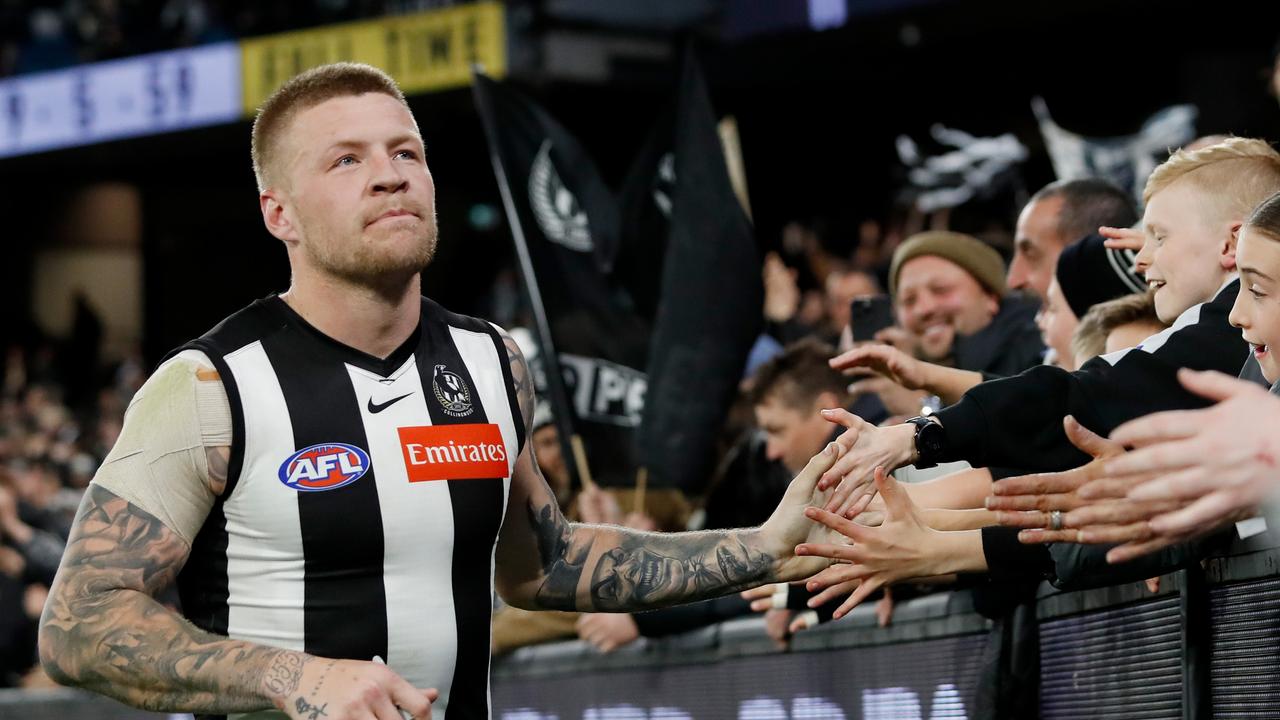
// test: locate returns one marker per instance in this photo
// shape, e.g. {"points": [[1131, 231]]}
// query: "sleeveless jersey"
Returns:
{"points": [[364, 496]]}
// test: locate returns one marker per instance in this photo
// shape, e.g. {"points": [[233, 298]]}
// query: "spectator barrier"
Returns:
{"points": [[1206, 645]]}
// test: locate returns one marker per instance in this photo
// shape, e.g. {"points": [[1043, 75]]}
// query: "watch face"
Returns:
{"points": [[930, 440]]}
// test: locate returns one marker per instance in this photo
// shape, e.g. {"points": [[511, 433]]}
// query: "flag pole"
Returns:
{"points": [[570, 442]]}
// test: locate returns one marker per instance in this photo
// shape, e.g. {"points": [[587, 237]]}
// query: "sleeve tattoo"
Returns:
{"points": [[522, 378], [628, 570], [102, 629], [631, 570]]}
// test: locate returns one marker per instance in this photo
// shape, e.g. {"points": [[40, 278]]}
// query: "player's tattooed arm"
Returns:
{"points": [[522, 378], [605, 568], [219, 459], [103, 631]]}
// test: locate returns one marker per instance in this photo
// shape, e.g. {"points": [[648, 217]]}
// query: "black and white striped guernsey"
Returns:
{"points": [[364, 496]]}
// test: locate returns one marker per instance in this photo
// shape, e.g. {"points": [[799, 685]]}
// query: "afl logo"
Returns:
{"points": [[452, 392], [327, 466]]}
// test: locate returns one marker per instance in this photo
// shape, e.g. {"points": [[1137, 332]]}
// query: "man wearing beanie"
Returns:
{"points": [[949, 293]]}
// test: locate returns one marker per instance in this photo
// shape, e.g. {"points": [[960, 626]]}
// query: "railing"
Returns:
{"points": [[1207, 644]]}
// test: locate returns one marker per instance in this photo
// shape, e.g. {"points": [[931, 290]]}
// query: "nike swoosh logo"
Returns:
{"points": [[379, 407]]}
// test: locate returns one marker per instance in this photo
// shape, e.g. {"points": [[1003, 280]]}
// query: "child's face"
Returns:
{"points": [[1186, 256], [1257, 308], [1057, 323]]}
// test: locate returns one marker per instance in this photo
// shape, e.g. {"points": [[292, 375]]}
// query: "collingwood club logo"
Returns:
{"points": [[452, 392], [555, 208]]}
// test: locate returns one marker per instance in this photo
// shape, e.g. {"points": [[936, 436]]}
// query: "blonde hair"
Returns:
{"points": [[1237, 173], [303, 91], [1090, 337]]}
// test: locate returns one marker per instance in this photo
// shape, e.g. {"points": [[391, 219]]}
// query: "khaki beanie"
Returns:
{"points": [[976, 257]]}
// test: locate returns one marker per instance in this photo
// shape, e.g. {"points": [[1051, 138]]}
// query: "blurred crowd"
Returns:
{"points": [[37, 36], [59, 417]]}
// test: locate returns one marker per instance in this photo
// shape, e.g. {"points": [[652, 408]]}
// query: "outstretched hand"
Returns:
{"points": [[787, 527], [884, 360], [864, 448], [1094, 507], [1122, 238], [901, 548], [1223, 460], [1028, 501]]}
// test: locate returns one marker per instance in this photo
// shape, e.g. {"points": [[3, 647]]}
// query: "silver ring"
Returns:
{"points": [[1055, 520]]}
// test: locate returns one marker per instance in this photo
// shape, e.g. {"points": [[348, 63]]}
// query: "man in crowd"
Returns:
{"points": [[1059, 214], [949, 294]]}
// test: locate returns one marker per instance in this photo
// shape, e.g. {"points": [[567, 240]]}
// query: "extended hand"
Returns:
{"points": [[788, 527], [352, 690], [902, 547], [607, 631], [1223, 460], [1122, 238], [1029, 500], [884, 360], [865, 447]]}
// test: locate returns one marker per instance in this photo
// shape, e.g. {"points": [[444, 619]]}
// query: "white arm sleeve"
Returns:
{"points": [[159, 463]]}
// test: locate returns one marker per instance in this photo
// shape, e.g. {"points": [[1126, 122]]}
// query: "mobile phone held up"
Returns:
{"points": [[868, 315]]}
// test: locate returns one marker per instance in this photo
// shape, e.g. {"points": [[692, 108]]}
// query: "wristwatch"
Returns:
{"points": [[928, 439]]}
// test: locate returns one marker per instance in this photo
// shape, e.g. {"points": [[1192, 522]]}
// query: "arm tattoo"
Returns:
{"points": [[635, 570], [522, 378], [103, 631], [562, 562], [219, 459]]}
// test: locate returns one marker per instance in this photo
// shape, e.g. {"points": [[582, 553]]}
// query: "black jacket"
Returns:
{"points": [[1009, 344], [1017, 421]]}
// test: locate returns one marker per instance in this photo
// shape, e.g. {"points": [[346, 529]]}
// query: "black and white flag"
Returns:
{"points": [[1126, 160]]}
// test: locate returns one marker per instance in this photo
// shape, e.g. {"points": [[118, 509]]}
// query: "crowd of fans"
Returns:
{"points": [[1028, 365], [59, 417], [54, 35]]}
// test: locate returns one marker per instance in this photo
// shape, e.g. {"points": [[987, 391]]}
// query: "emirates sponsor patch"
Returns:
{"points": [[454, 452]]}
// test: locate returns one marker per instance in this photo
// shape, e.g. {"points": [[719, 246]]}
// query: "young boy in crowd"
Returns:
{"points": [[1215, 465]]}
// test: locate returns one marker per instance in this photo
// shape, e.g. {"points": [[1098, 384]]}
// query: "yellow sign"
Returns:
{"points": [[424, 51]]}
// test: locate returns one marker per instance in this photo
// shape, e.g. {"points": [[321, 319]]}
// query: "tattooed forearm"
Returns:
{"points": [[632, 570], [522, 378], [102, 630], [562, 561]]}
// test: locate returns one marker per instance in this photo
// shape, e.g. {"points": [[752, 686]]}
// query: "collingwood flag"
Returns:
{"points": [[971, 167], [569, 218], [1126, 160], [707, 307]]}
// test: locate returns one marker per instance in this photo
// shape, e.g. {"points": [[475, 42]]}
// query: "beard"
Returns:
{"points": [[377, 258]]}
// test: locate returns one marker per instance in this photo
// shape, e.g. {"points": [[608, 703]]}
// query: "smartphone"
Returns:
{"points": [[868, 315]]}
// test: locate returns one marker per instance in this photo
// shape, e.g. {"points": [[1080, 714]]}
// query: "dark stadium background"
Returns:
{"points": [[817, 111]]}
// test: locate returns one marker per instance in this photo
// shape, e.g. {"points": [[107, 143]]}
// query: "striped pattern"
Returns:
{"points": [[381, 566]]}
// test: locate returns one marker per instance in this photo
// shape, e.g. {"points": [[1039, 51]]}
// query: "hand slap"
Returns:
{"points": [[901, 547], [865, 447]]}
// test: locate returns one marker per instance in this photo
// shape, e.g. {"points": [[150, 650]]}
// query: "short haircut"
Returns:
{"points": [[1237, 173], [1266, 217], [304, 91], [798, 376], [1090, 336], [1087, 204]]}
